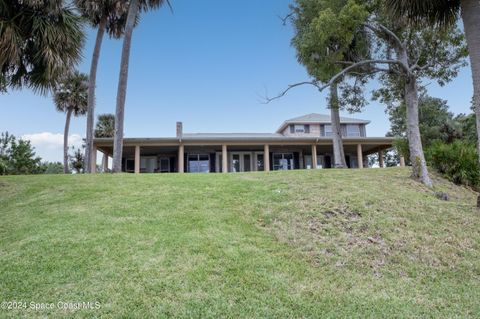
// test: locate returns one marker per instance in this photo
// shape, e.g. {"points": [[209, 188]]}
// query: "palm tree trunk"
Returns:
{"points": [[65, 140], [338, 151], [471, 25], [91, 94], [417, 158], [122, 87]]}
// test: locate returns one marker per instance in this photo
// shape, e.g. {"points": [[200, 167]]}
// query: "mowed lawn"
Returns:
{"points": [[300, 244]]}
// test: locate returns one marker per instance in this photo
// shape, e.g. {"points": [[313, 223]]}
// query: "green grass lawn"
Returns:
{"points": [[303, 244]]}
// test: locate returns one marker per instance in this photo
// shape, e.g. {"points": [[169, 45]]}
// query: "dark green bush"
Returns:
{"points": [[458, 161]]}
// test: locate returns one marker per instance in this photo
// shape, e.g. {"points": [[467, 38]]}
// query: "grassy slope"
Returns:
{"points": [[327, 243]]}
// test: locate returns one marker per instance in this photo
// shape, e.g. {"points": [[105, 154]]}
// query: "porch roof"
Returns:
{"points": [[242, 139]]}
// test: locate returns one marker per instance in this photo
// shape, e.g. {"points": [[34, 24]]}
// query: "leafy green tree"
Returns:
{"points": [[17, 157], [467, 127], [52, 168], [315, 48], [134, 9], [437, 123], [70, 97], [445, 13], [39, 41], [77, 161], [106, 16], [400, 56]]}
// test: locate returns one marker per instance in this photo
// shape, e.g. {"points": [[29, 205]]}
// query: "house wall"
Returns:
{"points": [[318, 130], [314, 131]]}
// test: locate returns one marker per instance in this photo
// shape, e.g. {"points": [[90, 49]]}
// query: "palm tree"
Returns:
{"points": [[105, 127], [70, 96], [443, 13], [135, 7], [107, 16], [40, 40]]}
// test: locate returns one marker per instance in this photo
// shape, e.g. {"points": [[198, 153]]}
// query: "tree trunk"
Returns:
{"points": [[122, 87], [471, 25], [92, 79], [338, 151], [65, 141], [417, 158]]}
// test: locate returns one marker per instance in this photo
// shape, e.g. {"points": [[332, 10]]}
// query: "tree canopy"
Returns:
{"points": [[17, 156], [40, 40]]}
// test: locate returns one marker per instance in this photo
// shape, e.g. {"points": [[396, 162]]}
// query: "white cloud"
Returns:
{"points": [[49, 146]]}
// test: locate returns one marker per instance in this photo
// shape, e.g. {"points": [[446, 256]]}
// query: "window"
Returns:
{"points": [[236, 163], [299, 128], [353, 130], [328, 130], [282, 161], [164, 164], [129, 165], [260, 162], [198, 163]]}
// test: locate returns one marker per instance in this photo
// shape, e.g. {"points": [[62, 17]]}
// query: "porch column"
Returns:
{"points": [[380, 159], [402, 161], [137, 159], [105, 162], [181, 159], [224, 159], [359, 155], [314, 156], [266, 158], [94, 160]]}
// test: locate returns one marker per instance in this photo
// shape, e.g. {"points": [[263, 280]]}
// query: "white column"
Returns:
{"points": [[137, 159], [224, 159], [402, 161], [181, 159], [359, 155], [266, 157], [105, 162], [380, 159]]}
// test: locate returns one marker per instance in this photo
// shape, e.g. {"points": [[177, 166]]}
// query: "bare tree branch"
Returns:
{"points": [[383, 29], [291, 86], [357, 64], [285, 18], [334, 78]]}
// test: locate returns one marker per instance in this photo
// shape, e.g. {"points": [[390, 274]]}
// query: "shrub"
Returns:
{"points": [[458, 161]]}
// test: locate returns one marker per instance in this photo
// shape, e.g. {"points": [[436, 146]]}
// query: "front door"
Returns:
{"points": [[241, 162]]}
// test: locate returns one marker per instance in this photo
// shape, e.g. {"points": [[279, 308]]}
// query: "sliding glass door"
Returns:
{"points": [[283, 161], [241, 162], [198, 163]]}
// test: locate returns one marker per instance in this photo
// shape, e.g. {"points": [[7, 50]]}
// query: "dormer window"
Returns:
{"points": [[328, 130], [300, 128], [353, 130]]}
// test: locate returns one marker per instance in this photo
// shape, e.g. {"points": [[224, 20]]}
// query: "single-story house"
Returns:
{"points": [[303, 142]]}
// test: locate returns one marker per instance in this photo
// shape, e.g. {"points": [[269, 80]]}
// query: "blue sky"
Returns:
{"points": [[207, 65]]}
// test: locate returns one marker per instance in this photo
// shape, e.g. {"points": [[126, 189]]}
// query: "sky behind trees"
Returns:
{"points": [[208, 65]]}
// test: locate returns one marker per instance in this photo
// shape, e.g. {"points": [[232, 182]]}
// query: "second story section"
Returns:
{"points": [[320, 125]]}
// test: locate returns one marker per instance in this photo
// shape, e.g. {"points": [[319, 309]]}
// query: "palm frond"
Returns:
{"points": [[421, 12]]}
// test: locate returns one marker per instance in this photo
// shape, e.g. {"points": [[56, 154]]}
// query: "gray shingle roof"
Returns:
{"points": [[323, 118]]}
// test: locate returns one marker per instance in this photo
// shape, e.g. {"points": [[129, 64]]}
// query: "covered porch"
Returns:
{"points": [[177, 156]]}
